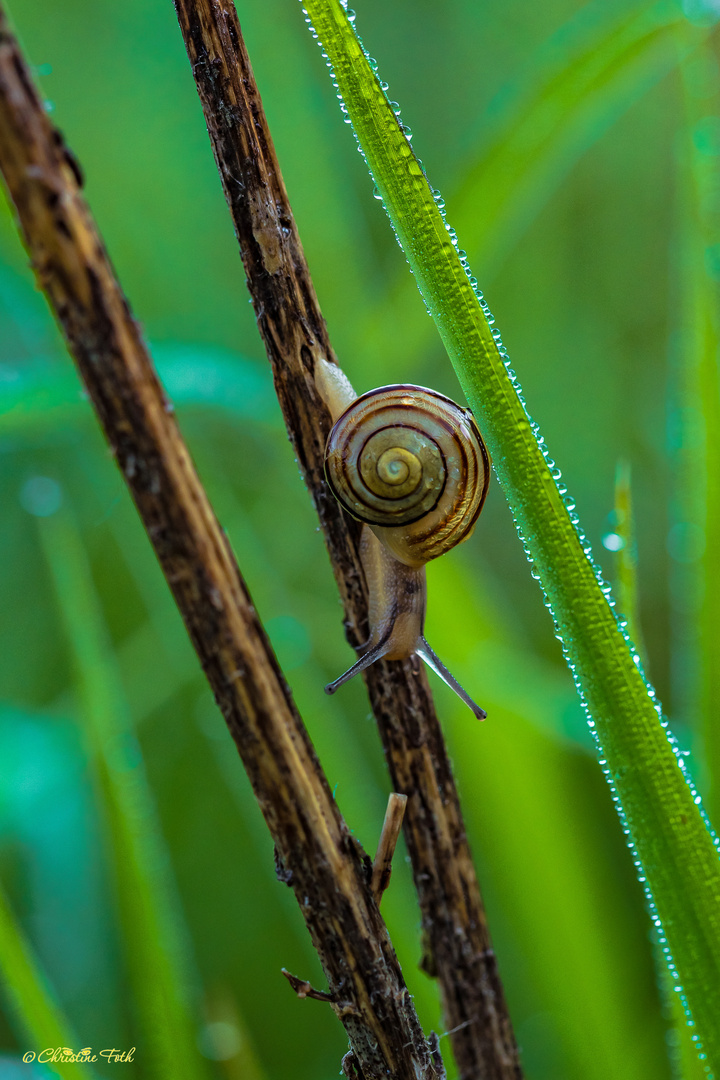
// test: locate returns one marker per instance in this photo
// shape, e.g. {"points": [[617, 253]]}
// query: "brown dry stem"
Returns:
{"points": [[458, 948], [326, 867]]}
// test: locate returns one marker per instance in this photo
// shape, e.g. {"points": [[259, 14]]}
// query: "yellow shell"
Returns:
{"points": [[411, 464]]}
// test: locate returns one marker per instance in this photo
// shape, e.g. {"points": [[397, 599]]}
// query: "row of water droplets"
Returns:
{"points": [[680, 755]]}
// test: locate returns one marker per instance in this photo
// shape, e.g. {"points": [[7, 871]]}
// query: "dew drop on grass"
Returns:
{"points": [[612, 541]]}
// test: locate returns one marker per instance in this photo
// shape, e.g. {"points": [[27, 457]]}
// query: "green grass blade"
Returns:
{"points": [[149, 920], [585, 78], [675, 851], [26, 988]]}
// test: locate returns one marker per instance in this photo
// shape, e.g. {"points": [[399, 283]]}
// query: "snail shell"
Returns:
{"points": [[410, 463]]}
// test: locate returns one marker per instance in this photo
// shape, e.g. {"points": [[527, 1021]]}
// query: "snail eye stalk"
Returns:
{"points": [[435, 664]]}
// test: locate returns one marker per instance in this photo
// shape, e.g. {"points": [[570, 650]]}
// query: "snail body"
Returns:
{"points": [[411, 465]]}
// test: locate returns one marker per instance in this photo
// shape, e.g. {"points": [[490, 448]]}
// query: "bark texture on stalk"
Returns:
{"points": [[457, 943], [321, 860]]}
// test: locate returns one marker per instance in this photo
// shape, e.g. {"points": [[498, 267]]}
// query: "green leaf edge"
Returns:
{"points": [[674, 848]]}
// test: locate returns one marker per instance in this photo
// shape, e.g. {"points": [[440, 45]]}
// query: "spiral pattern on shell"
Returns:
{"points": [[411, 464]]}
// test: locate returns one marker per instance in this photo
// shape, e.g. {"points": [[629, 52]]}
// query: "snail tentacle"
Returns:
{"points": [[428, 655], [435, 664], [375, 652]]}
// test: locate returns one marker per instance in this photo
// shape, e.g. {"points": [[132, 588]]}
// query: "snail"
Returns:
{"points": [[412, 466]]}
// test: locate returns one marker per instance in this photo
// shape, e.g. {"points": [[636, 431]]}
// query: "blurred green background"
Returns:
{"points": [[576, 150]]}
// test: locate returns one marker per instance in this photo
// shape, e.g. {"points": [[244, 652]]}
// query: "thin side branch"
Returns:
{"points": [[304, 989], [458, 948], [325, 864], [382, 864]]}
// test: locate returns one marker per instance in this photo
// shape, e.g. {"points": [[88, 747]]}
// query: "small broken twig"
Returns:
{"points": [[382, 865]]}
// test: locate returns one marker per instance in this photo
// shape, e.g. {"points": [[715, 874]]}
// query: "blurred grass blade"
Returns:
{"points": [[33, 398], [673, 848], [683, 1058], [695, 421], [586, 77], [226, 1032], [150, 923], [26, 988], [621, 541], [588, 74]]}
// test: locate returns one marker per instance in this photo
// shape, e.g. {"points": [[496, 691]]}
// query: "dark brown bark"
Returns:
{"points": [[458, 948], [323, 863]]}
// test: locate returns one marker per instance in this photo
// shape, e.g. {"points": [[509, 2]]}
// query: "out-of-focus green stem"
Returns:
{"points": [[695, 407], [626, 585], [147, 908], [683, 1056], [31, 1000], [675, 852]]}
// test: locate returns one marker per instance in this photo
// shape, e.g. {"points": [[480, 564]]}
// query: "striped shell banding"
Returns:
{"points": [[411, 464]]}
